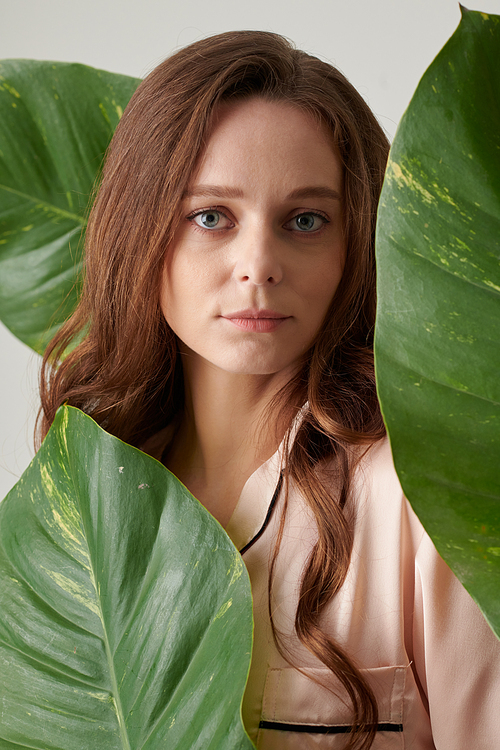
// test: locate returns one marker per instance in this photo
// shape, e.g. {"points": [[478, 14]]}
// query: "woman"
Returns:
{"points": [[228, 312]]}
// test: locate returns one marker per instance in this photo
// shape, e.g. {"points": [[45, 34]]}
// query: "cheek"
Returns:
{"points": [[173, 294], [165, 294], [189, 285], [178, 277], [323, 285]]}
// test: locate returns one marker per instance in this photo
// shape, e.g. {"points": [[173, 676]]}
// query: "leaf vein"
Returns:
{"points": [[38, 201]]}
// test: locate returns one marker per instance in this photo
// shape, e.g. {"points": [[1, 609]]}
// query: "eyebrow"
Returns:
{"points": [[314, 192], [219, 191], [212, 191]]}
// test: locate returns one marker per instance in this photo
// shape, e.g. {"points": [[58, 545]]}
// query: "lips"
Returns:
{"points": [[260, 321]]}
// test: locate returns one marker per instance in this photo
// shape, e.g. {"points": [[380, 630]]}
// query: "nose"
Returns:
{"points": [[258, 260]]}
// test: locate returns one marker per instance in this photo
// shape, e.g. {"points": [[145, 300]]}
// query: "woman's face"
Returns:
{"points": [[260, 250]]}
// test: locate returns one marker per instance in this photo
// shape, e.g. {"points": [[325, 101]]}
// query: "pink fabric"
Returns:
{"points": [[420, 640]]}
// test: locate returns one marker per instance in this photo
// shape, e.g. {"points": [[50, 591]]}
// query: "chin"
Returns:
{"points": [[249, 369], [248, 366]]}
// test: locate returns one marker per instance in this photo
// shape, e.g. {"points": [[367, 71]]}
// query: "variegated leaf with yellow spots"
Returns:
{"points": [[56, 121], [126, 612], [438, 325]]}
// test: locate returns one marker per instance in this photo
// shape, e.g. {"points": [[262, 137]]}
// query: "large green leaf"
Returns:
{"points": [[438, 330], [56, 121], [126, 610]]}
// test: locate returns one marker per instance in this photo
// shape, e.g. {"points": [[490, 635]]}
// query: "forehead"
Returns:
{"points": [[257, 140]]}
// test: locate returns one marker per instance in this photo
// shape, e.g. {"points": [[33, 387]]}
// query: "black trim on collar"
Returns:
{"points": [[267, 518], [322, 729]]}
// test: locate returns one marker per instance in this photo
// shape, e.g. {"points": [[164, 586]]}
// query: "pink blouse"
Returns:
{"points": [[411, 627]]}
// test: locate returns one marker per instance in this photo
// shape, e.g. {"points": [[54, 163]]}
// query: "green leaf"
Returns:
{"points": [[438, 330], [56, 121], [126, 610]]}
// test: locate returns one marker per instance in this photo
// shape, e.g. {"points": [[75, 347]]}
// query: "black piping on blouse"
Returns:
{"points": [[323, 729], [267, 518], [304, 728]]}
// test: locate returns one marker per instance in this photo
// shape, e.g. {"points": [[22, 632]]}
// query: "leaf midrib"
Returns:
{"points": [[38, 201], [114, 684]]}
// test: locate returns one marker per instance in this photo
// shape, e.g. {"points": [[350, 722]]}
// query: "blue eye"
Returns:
{"points": [[308, 222], [211, 218], [208, 219]]}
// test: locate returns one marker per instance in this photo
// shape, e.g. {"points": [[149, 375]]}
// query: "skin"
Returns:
{"points": [[247, 283]]}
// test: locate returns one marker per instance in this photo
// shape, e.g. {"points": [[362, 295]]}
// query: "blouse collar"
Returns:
{"points": [[252, 510]]}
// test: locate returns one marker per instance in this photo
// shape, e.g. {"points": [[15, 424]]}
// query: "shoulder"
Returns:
{"points": [[375, 472], [379, 505]]}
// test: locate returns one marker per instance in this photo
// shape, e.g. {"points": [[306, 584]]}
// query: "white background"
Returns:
{"points": [[382, 46]]}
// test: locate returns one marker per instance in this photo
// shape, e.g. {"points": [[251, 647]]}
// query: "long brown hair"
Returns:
{"points": [[125, 371]]}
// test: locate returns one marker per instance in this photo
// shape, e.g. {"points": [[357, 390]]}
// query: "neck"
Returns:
{"points": [[225, 435]]}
